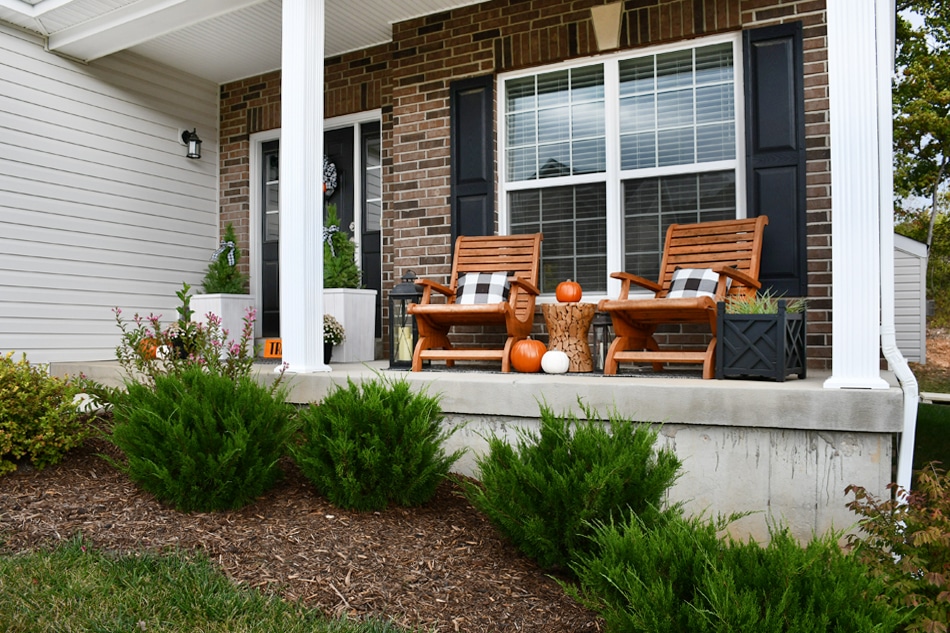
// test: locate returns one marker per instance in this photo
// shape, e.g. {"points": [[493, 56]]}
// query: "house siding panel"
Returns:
{"points": [[910, 298], [100, 208]]}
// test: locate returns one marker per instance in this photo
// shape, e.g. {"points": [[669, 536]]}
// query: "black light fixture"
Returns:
{"points": [[193, 142], [403, 332]]}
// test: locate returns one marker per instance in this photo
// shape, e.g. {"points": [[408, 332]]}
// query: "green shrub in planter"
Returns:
{"points": [[202, 441], [38, 418], [679, 575], [365, 446], [545, 494]]}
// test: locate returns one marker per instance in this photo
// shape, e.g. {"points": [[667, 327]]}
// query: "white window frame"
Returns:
{"points": [[613, 176]]}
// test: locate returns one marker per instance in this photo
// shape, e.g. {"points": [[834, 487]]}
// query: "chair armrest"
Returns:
{"points": [[525, 285], [428, 286], [737, 275], [629, 278]]}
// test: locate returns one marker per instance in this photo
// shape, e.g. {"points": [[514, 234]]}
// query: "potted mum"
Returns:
{"points": [[333, 334], [343, 298], [761, 337], [225, 288]]}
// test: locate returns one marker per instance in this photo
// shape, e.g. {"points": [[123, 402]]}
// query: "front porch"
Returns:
{"points": [[785, 451]]}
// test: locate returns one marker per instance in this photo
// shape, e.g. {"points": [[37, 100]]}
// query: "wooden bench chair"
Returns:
{"points": [[731, 249], [513, 257]]}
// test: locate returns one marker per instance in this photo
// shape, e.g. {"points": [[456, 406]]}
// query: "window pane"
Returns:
{"points": [[520, 93], [554, 160], [676, 147], [674, 109], [522, 129], [715, 103], [588, 120], [553, 89], [714, 64], [674, 70], [522, 163], [587, 84], [715, 142], [273, 168], [573, 220], [638, 151], [554, 124], [636, 76], [590, 157], [638, 114]]}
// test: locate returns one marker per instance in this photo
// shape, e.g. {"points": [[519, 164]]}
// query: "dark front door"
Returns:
{"points": [[339, 149]]}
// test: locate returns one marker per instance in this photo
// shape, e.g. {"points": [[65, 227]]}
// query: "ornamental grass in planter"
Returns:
{"points": [[761, 337]]}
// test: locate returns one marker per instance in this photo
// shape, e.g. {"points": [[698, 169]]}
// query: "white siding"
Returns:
{"points": [[910, 298], [98, 205]]}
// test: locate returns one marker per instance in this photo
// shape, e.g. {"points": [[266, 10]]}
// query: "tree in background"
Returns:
{"points": [[922, 135]]}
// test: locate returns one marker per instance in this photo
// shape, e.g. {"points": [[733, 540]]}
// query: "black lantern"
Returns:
{"points": [[601, 339], [403, 332], [193, 142]]}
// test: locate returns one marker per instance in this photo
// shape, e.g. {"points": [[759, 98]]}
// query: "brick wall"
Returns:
{"points": [[409, 80]]}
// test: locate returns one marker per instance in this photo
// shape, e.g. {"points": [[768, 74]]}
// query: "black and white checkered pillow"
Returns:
{"points": [[482, 288], [694, 282]]}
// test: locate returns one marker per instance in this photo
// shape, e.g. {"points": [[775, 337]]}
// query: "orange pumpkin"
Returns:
{"points": [[526, 355], [568, 291], [148, 347]]}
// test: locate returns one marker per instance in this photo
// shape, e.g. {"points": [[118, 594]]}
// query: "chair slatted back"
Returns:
{"points": [[518, 255], [735, 243]]}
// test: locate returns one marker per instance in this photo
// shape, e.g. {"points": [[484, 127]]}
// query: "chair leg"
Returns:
{"points": [[430, 341], [709, 363]]}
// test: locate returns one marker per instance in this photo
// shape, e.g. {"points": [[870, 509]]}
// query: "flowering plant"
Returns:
{"points": [[149, 349], [332, 330]]}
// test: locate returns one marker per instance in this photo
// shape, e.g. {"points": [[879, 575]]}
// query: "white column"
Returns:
{"points": [[301, 186], [855, 217]]}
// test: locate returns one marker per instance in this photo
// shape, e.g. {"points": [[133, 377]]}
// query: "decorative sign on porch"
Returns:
{"points": [[272, 348]]}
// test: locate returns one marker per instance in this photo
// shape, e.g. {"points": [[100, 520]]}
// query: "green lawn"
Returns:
{"points": [[75, 588]]}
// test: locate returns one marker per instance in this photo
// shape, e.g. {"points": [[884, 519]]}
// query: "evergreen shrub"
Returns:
{"points": [[223, 275], [545, 494], [201, 441], [679, 575], [38, 417], [365, 446], [905, 540]]}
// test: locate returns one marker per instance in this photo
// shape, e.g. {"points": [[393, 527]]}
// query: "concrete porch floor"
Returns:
{"points": [[784, 452]]}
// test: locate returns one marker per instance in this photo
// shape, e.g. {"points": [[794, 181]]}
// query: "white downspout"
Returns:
{"points": [[908, 383]]}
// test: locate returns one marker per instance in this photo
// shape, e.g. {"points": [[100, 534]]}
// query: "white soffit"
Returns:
{"points": [[219, 40]]}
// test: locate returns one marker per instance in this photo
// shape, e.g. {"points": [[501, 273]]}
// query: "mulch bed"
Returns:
{"points": [[442, 566]]}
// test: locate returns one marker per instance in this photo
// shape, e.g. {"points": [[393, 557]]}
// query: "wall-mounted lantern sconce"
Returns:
{"points": [[193, 142]]}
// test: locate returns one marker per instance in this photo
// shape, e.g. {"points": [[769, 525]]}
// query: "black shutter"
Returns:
{"points": [[775, 152], [473, 158]]}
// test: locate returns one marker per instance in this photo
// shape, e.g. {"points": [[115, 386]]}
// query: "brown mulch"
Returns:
{"points": [[442, 566]]}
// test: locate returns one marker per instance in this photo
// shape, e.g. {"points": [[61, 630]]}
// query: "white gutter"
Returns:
{"points": [[885, 65]]}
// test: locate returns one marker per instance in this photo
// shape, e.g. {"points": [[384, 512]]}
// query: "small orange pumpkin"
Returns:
{"points": [[148, 347], [526, 355], [568, 291]]}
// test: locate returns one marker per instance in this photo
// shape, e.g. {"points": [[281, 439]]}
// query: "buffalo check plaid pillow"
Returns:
{"points": [[694, 282], [482, 288]]}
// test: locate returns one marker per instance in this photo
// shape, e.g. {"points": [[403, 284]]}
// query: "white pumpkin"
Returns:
{"points": [[555, 362]]}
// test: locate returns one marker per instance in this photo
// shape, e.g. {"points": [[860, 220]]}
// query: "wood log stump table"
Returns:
{"points": [[568, 325]]}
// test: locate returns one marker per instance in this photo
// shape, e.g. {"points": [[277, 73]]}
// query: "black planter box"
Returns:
{"points": [[760, 345]]}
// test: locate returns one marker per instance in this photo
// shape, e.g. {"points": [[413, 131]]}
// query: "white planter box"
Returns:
{"points": [[231, 308], [356, 312]]}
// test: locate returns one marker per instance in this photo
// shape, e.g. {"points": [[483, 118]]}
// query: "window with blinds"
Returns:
{"points": [[624, 147]]}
